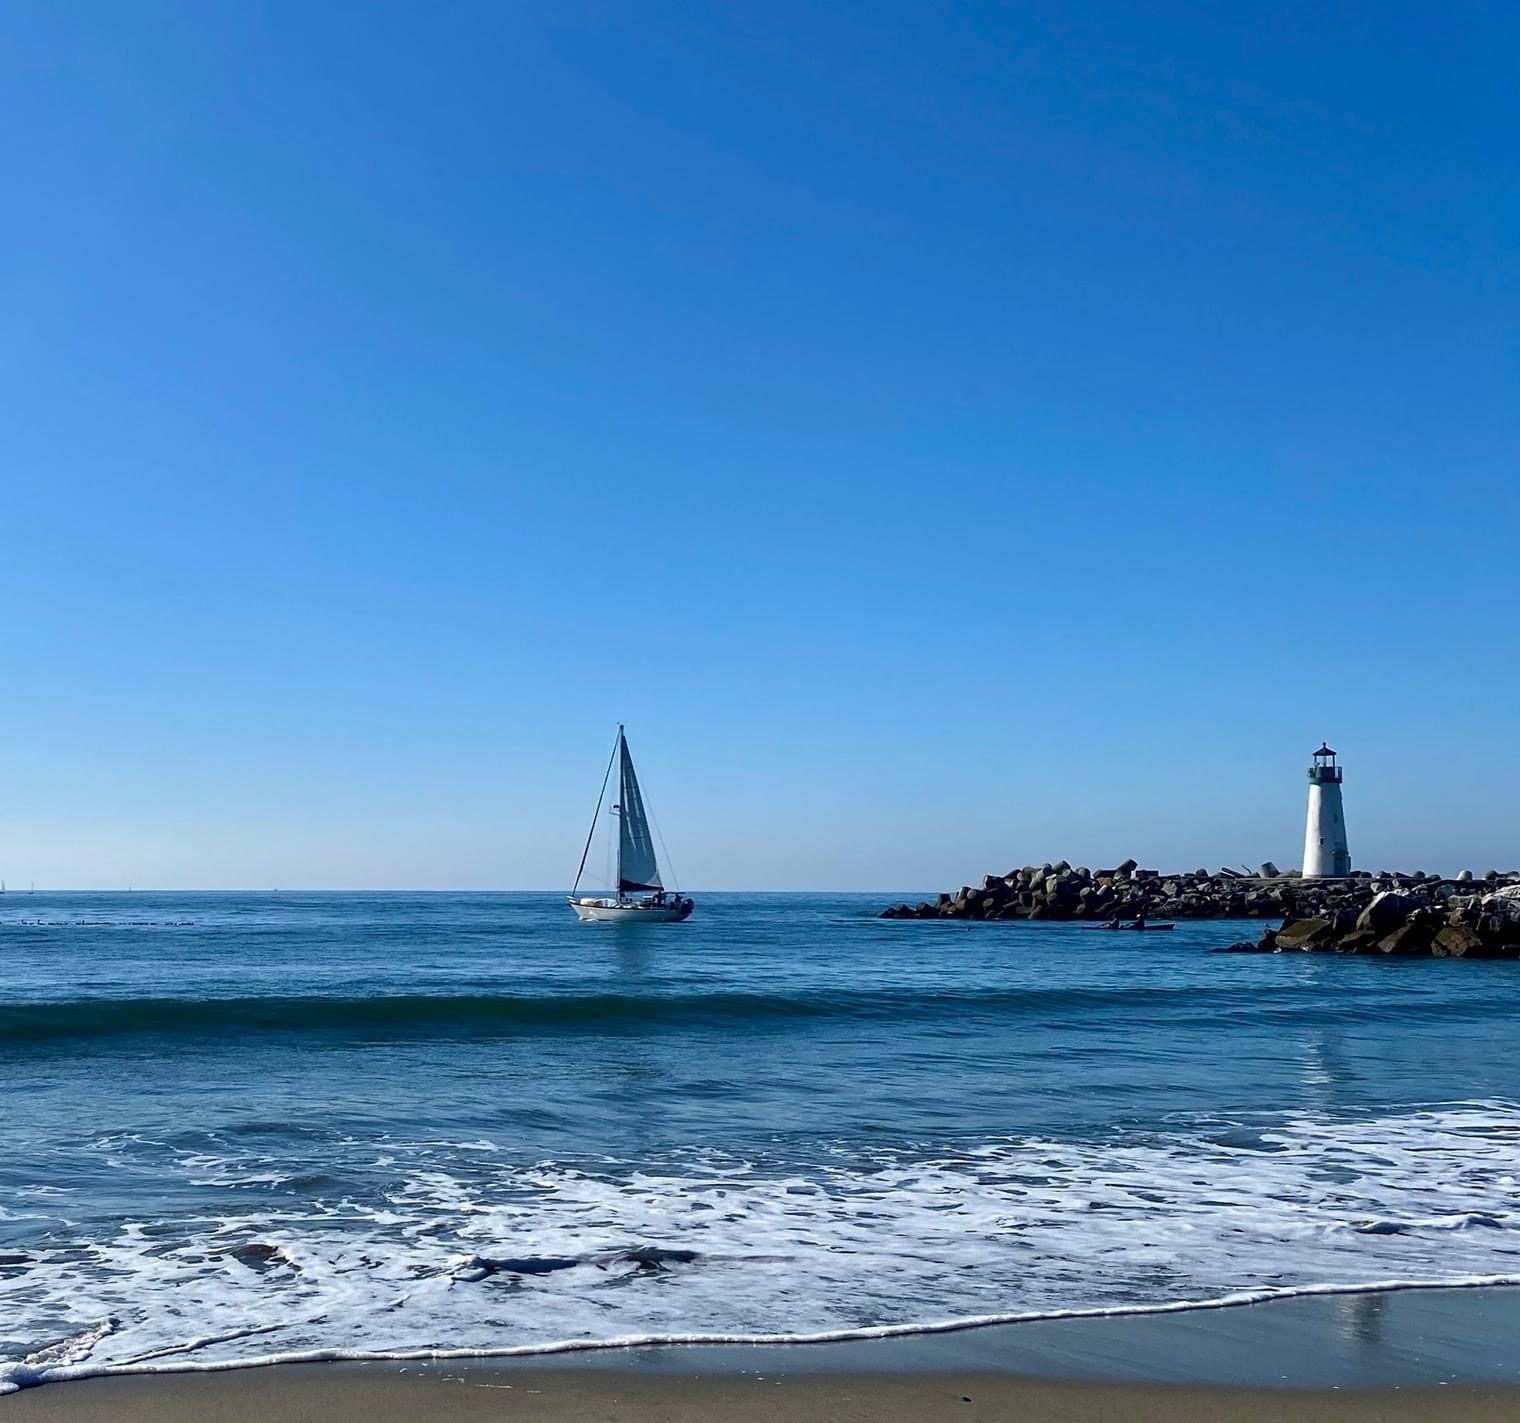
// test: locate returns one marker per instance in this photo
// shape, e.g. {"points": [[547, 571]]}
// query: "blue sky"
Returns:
{"points": [[948, 435]]}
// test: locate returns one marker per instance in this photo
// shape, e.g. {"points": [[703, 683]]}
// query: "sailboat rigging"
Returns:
{"points": [[641, 895]]}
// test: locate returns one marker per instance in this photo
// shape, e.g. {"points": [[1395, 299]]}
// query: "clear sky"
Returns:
{"points": [[949, 435]]}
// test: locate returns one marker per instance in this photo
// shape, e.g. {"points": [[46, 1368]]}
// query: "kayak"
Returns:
{"points": [[1135, 928]]}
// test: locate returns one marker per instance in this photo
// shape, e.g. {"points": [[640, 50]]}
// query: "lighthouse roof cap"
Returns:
{"points": [[1324, 749]]}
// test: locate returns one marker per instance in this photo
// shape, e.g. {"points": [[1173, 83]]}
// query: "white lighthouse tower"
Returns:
{"points": [[1325, 852]]}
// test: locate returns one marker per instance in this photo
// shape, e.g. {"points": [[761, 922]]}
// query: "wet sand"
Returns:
{"points": [[1419, 1354], [309, 1392]]}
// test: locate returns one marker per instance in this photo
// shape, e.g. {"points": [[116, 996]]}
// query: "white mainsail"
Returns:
{"points": [[637, 867]]}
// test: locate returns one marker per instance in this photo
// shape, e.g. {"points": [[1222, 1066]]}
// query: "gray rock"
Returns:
{"points": [[1458, 941], [1306, 934], [1408, 940], [1387, 912]]}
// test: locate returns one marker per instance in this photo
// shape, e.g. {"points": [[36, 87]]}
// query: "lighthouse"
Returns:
{"points": [[1325, 852]]}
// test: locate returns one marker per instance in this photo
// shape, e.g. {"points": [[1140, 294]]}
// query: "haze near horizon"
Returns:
{"points": [[949, 437]]}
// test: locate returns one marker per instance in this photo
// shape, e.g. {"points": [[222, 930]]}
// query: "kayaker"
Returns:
{"points": [[1139, 921]]}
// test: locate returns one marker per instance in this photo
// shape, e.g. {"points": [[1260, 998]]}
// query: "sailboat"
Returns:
{"points": [[641, 897]]}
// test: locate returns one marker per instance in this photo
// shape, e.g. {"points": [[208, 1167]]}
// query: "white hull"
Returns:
{"points": [[609, 911]]}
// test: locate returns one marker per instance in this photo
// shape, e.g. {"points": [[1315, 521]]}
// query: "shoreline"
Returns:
{"points": [[707, 1346], [1428, 1352], [1387, 1334]]}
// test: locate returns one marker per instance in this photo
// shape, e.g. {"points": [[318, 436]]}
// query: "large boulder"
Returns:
{"points": [[1306, 934], [1458, 941], [1409, 940], [1501, 933], [1387, 912]]}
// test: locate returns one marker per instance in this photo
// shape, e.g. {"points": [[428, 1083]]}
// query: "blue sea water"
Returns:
{"points": [[243, 1125]]}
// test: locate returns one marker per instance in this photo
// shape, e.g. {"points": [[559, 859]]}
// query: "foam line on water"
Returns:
{"points": [[16, 1376], [395, 1247]]}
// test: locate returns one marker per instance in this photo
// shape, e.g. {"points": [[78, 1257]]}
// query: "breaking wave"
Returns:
{"points": [[463, 1251], [31, 1027]]}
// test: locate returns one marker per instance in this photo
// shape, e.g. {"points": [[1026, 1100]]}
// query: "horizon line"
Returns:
{"points": [[390, 889]]}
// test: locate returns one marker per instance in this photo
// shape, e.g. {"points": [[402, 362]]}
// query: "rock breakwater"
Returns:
{"points": [[1126, 892], [1419, 921]]}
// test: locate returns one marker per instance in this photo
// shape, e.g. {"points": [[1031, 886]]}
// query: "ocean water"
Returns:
{"points": [[241, 1126]]}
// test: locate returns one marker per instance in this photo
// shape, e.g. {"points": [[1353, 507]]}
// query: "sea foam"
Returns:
{"points": [[469, 1253]]}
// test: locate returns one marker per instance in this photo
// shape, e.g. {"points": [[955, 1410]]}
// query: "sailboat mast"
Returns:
{"points": [[622, 810]]}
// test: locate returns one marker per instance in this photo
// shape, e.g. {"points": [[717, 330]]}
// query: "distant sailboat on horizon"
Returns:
{"points": [[640, 896]]}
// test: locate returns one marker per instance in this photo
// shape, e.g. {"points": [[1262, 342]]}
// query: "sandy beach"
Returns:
{"points": [[578, 1396], [1426, 1354]]}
